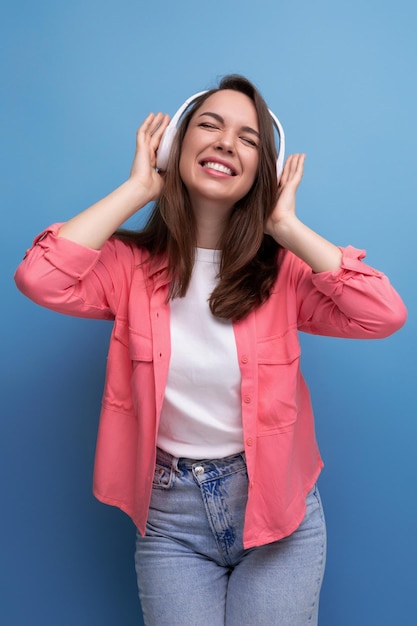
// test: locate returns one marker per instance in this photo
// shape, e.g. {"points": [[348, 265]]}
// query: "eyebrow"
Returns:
{"points": [[216, 116]]}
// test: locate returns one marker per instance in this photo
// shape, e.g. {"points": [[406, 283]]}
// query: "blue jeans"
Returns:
{"points": [[192, 569]]}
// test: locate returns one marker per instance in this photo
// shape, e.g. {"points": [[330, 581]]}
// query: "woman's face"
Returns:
{"points": [[220, 151]]}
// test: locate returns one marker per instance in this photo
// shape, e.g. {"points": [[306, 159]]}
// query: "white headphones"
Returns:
{"points": [[171, 130]]}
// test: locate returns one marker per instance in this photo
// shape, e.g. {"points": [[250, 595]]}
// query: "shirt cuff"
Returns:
{"points": [[58, 250], [351, 268]]}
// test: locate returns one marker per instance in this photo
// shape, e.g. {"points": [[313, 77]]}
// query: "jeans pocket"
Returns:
{"points": [[163, 477]]}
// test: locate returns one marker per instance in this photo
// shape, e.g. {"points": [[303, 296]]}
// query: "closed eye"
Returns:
{"points": [[208, 125], [249, 141]]}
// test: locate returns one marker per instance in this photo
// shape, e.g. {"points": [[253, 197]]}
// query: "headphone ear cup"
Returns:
{"points": [[167, 139], [165, 146], [281, 152]]}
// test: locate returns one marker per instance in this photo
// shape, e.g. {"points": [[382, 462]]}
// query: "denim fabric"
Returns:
{"points": [[192, 568]]}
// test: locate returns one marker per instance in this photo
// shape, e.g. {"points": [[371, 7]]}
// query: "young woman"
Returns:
{"points": [[206, 436]]}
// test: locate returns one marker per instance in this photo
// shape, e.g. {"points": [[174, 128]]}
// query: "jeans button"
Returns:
{"points": [[199, 470]]}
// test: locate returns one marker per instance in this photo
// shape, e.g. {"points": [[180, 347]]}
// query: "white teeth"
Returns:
{"points": [[219, 167]]}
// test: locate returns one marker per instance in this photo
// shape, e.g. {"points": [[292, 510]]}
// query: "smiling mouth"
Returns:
{"points": [[219, 167]]}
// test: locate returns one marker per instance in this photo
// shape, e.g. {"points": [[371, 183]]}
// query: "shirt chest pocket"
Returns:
{"points": [[278, 377], [140, 347], [279, 349]]}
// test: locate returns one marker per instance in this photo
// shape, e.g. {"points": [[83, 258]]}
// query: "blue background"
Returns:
{"points": [[77, 78]]}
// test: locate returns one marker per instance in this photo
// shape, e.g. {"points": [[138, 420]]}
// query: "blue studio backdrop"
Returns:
{"points": [[77, 79]]}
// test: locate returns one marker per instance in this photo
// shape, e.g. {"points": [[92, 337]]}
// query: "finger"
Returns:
{"points": [[285, 172], [150, 125], [156, 123], [149, 134], [160, 123], [299, 168], [296, 168], [157, 136], [288, 170], [143, 129], [292, 166], [146, 124]]}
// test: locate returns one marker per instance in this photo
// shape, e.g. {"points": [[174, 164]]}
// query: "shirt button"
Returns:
{"points": [[244, 358], [199, 470], [247, 399], [249, 441]]}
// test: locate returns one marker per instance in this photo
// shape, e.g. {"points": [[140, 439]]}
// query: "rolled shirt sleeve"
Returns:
{"points": [[355, 301], [73, 279]]}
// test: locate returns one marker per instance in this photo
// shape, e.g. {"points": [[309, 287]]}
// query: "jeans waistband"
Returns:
{"points": [[168, 460]]}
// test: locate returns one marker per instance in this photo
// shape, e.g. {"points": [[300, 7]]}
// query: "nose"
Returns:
{"points": [[226, 142]]}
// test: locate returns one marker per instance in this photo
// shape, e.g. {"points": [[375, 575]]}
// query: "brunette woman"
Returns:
{"points": [[206, 436]]}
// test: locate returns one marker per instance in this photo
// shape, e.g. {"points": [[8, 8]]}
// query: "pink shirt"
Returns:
{"points": [[282, 456]]}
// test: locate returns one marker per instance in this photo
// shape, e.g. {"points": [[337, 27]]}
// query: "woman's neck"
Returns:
{"points": [[210, 227]]}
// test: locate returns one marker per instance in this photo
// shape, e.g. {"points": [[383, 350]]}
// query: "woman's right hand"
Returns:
{"points": [[96, 224], [144, 173]]}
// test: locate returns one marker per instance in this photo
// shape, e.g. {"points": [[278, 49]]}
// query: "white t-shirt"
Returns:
{"points": [[201, 415]]}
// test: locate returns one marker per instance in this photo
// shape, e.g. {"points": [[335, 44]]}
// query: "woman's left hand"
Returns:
{"points": [[284, 212], [287, 230]]}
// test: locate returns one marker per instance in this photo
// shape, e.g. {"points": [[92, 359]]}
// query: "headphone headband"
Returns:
{"points": [[166, 142]]}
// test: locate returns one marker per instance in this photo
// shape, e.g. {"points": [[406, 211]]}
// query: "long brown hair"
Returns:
{"points": [[249, 262]]}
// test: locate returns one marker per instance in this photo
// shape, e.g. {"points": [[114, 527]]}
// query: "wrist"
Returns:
{"points": [[286, 230], [136, 193]]}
